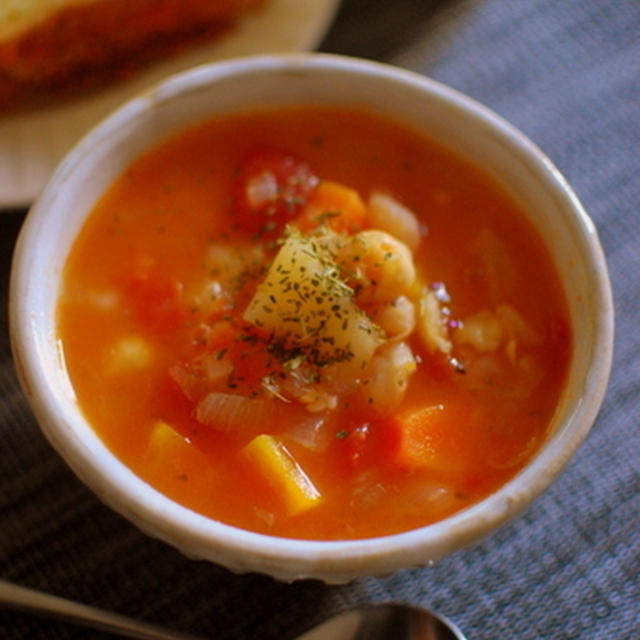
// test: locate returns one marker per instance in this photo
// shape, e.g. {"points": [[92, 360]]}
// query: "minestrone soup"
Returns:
{"points": [[313, 323]]}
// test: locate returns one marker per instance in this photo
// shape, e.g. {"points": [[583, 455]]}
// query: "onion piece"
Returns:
{"points": [[387, 214], [216, 369], [262, 189], [200, 375], [311, 432], [229, 412]]}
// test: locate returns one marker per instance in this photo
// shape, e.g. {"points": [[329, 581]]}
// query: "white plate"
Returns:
{"points": [[32, 144]]}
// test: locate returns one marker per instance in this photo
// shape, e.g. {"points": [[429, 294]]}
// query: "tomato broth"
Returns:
{"points": [[314, 323]]}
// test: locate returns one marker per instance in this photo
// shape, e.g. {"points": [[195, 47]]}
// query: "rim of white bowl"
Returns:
{"points": [[242, 550]]}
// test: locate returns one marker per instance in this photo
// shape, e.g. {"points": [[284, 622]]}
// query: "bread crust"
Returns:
{"points": [[88, 43]]}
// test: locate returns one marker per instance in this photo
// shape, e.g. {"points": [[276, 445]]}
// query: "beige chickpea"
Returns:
{"points": [[396, 318], [483, 331], [388, 376], [432, 324], [379, 266]]}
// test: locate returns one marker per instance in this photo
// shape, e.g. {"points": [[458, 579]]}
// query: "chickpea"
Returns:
{"points": [[388, 376], [379, 266], [397, 318], [482, 331], [432, 326]]}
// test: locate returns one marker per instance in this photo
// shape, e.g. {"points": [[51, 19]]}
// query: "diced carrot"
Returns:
{"points": [[438, 437], [273, 461], [177, 466], [168, 452], [338, 207], [164, 437]]}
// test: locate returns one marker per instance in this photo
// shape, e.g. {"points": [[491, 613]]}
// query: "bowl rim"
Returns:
{"points": [[286, 558]]}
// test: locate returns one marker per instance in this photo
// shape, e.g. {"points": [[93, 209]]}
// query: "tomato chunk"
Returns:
{"points": [[270, 189], [156, 299]]}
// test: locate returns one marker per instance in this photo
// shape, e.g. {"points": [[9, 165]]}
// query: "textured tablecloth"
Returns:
{"points": [[566, 72]]}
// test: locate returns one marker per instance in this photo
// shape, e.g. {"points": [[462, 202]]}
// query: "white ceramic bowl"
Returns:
{"points": [[442, 113]]}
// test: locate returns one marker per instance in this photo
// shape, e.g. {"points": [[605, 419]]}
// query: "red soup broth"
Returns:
{"points": [[231, 380]]}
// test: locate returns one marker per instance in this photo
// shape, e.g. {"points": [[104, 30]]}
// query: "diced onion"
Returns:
{"points": [[368, 492], [497, 266], [216, 370], [311, 432], [262, 189], [426, 496], [184, 379], [200, 375], [229, 412], [388, 214], [515, 325]]}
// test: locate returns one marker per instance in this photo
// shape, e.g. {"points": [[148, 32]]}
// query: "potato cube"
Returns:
{"points": [[305, 303]]}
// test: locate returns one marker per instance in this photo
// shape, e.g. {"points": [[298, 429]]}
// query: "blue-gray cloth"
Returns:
{"points": [[566, 72]]}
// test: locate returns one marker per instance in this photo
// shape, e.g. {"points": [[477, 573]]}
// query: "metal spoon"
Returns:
{"points": [[373, 622], [389, 621]]}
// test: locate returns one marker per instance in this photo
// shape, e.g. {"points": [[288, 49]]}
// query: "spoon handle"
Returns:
{"points": [[13, 596]]}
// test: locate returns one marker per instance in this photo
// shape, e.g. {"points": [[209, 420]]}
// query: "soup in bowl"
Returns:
{"points": [[311, 316]]}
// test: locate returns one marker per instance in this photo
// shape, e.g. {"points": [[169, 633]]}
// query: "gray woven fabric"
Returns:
{"points": [[566, 72]]}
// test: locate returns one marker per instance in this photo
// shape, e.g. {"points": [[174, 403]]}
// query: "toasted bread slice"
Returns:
{"points": [[51, 47]]}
